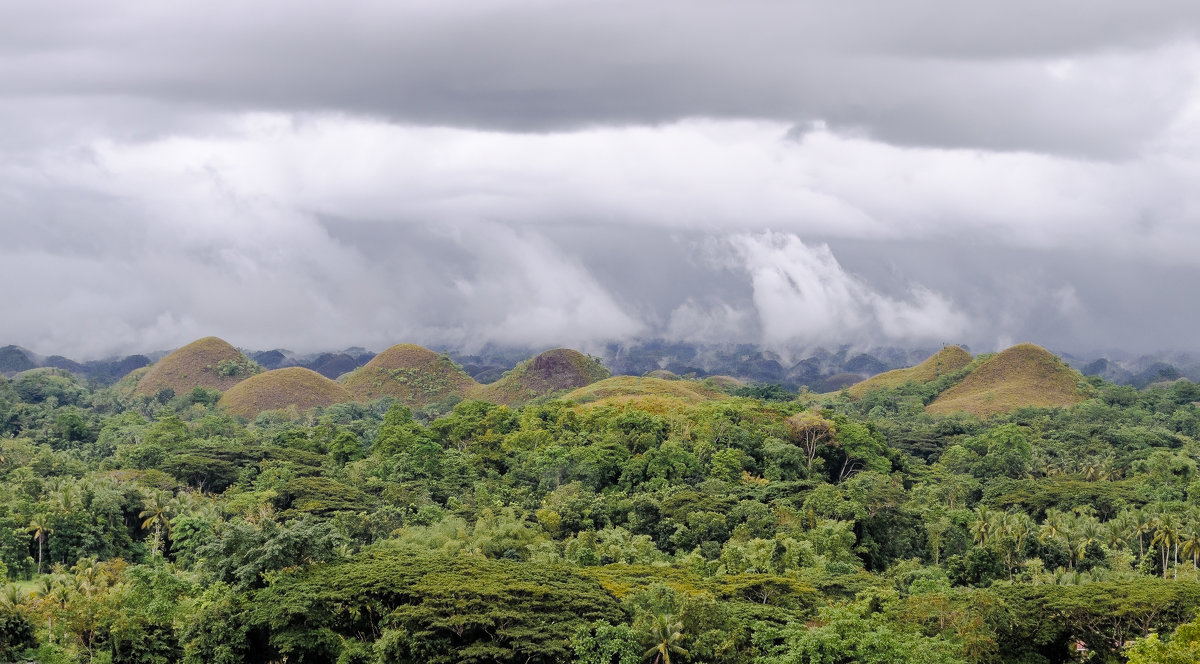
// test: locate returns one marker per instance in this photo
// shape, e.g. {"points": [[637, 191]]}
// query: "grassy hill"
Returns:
{"points": [[946, 360], [281, 388], [646, 393], [411, 374], [1024, 375], [552, 371], [209, 362]]}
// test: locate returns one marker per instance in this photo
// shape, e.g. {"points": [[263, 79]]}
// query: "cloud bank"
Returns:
{"points": [[532, 173]]}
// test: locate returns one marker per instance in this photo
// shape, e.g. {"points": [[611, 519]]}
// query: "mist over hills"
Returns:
{"points": [[818, 369]]}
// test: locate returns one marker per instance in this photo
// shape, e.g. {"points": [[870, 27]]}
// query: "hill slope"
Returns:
{"points": [[1024, 375], [552, 371], [209, 362], [625, 389], [290, 386], [950, 358], [413, 375]]}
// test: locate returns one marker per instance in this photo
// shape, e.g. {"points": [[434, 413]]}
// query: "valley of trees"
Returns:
{"points": [[763, 528]]}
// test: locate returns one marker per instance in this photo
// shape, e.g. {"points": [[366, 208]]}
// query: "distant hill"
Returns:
{"points": [[281, 388], [209, 362], [14, 359], [411, 374], [1024, 375], [946, 360], [332, 365], [552, 371], [619, 389]]}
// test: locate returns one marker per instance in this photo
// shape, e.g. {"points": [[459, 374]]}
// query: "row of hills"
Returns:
{"points": [[818, 370], [949, 380]]}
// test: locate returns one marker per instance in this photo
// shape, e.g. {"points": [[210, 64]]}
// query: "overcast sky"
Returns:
{"points": [[313, 175]]}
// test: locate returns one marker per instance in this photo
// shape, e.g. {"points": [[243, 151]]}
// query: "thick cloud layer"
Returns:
{"points": [[535, 173]]}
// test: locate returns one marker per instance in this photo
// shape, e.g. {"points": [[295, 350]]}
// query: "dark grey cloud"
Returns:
{"points": [[1093, 78]]}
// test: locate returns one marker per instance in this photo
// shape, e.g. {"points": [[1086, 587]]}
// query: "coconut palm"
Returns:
{"points": [[1191, 547], [666, 633], [984, 526], [1166, 536], [1144, 525], [39, 526], [158, 512]]}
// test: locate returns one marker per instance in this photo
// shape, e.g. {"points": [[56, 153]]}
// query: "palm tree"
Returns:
{"points": [[1166, 535], [1191, 547], [666, 633], [1054, 527], [12, 596], [1144, 526], [1114, 534], [39, 526], [984, 525], [157, 514]]}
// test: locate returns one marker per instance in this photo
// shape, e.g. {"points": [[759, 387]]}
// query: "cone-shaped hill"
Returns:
{"points": [[209, 362], [552, 371], [624, 389], [946, 360], [1024, 375], [413, 375], [281, 388]]}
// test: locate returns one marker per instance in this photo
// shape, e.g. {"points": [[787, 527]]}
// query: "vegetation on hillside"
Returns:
{"points": [[291, 387], [640, 518], [1022, 376], [946, 361], [208, 363]]}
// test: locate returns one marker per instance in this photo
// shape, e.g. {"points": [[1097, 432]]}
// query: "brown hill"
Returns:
{"points": [[631, 389], [413, 375], [552, 371], [946, 360], [1024, 375], [281, 388], [209, 362]]}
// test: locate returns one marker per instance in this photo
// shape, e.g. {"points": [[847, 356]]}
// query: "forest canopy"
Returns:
{"points": [[753, 526]]}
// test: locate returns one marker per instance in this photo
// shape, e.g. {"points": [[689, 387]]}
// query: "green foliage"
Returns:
{"points": [[16, 633], [1183, 647], [638, 525], [847, 635]]}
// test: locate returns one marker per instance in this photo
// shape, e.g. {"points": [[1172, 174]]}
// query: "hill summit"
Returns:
{"points": [[552, 371], [946, 360], [209, 362], [1024, 375], [281, 388], [413, 375]]}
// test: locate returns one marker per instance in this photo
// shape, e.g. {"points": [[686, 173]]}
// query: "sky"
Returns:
{"points": [[312, 175]]}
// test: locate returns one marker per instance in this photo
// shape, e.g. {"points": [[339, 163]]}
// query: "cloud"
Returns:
{"points": [[521, 171], [932, 72], [803, 296]]}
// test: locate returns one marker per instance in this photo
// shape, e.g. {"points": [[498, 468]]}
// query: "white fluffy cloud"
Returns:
{"points": [[803, 296]]}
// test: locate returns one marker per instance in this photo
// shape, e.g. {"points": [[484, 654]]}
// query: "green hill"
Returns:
{"points": [[1024, 375], [552, 371], [281, 388], [413, 375], [209, 362], [946, 360], [643, 391]]}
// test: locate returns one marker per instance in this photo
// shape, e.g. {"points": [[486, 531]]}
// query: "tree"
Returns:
{"points": [[39, 526], [664, 633], [1182, 648], [157, 514], [809, 430]]}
